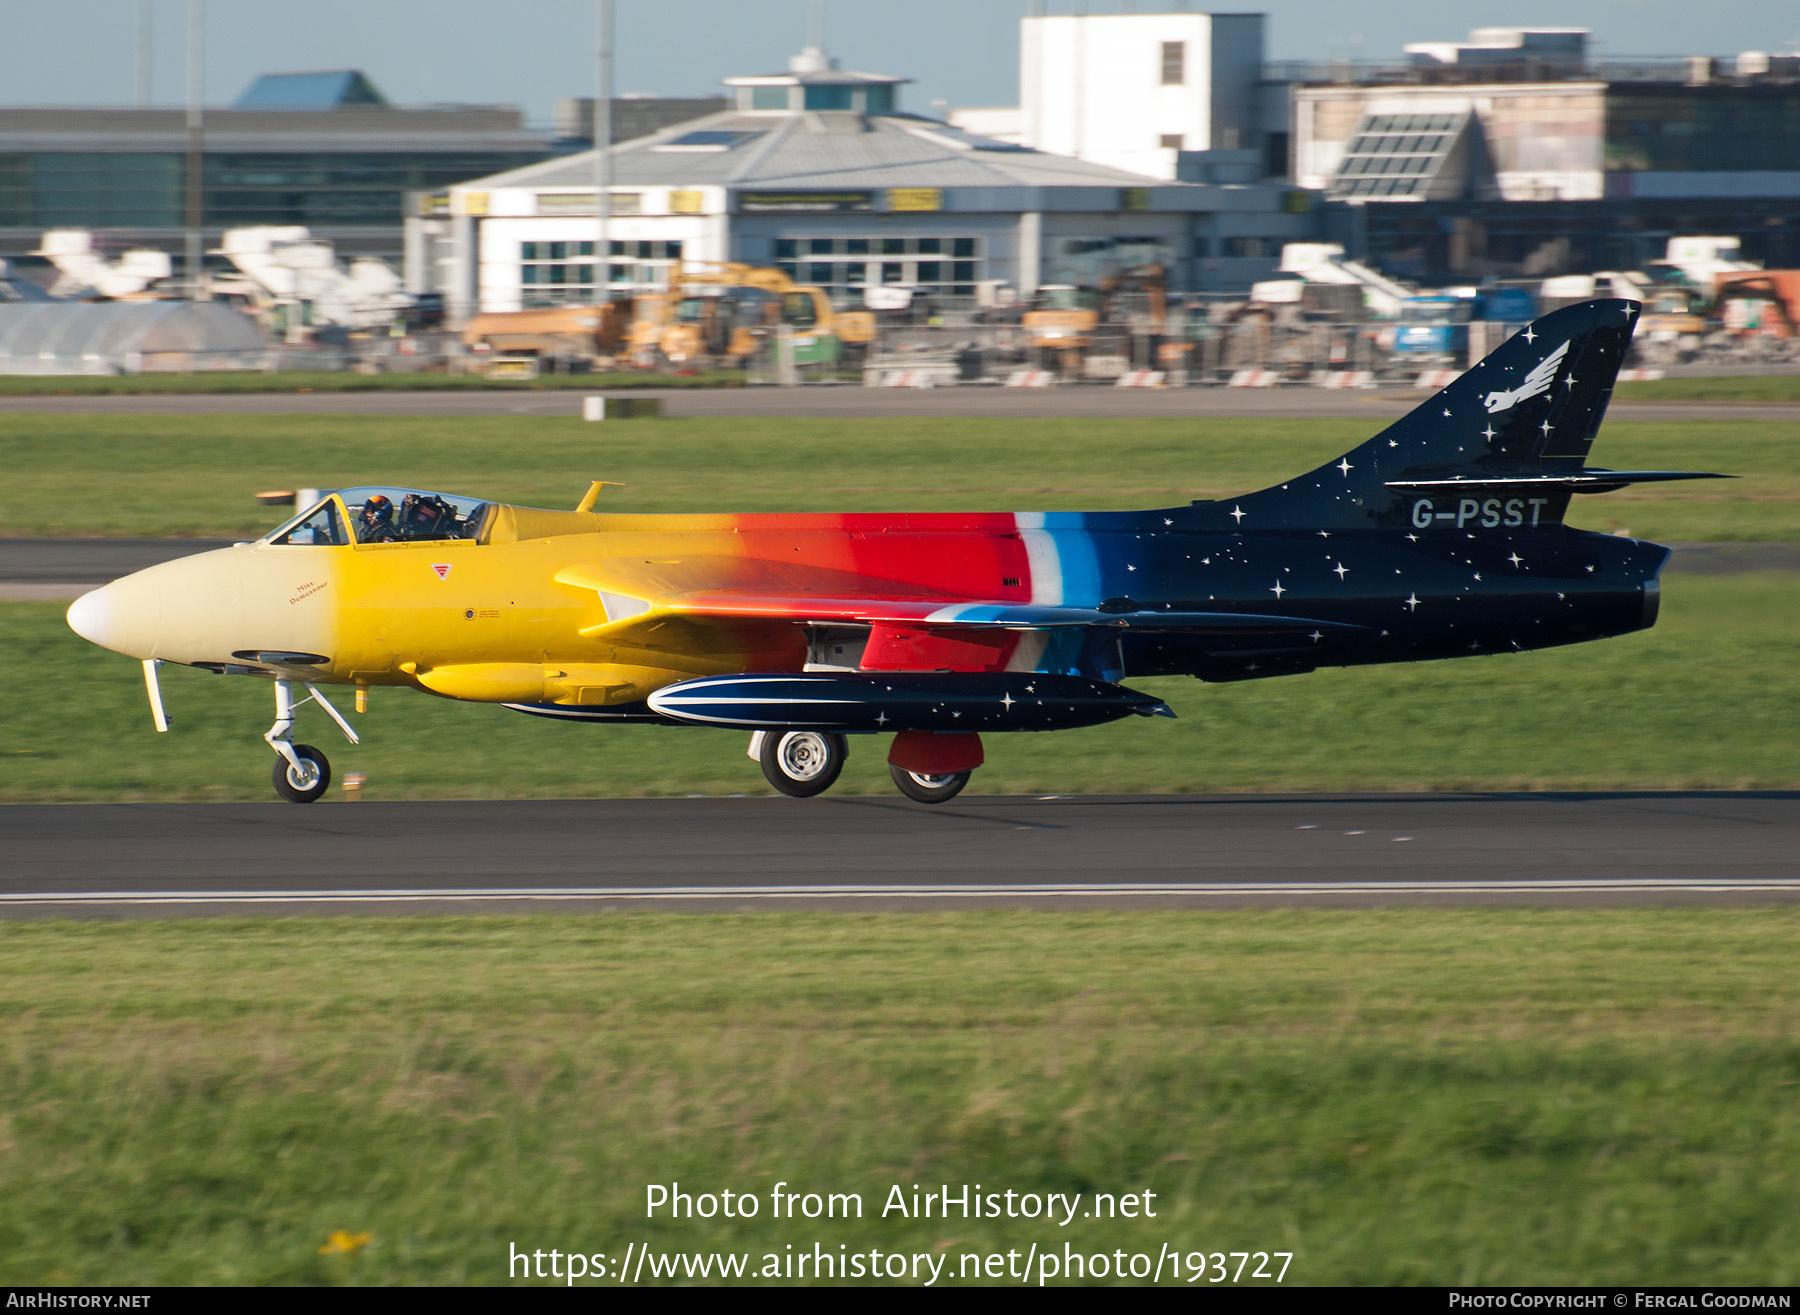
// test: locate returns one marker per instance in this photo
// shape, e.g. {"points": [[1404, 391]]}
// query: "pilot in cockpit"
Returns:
{"points": [[376, 524], [426, 516]]}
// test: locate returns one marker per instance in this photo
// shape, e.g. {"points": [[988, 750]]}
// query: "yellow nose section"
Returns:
{"points": [[215, 605]]}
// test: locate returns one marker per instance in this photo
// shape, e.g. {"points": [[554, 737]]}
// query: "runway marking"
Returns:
{"points": [[1077, 891]]}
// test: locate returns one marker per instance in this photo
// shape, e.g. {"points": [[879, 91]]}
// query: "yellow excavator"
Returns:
{"points": [[516, 344], [1063, 320], [721, 314]]}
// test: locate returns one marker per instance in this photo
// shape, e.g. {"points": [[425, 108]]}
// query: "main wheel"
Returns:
{"points": [[308, 782], [803, 763], [928, 789]]}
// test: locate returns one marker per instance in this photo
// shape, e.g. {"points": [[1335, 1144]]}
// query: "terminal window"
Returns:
{"points": [[554, 273], [940, 267], [147, 189], [1249, 248], [1089, 261]]}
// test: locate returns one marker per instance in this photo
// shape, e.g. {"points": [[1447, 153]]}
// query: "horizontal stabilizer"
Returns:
{"points": [[1587, 480]]}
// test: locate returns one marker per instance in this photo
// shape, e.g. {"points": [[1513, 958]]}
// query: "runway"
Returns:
{"points": [[873, 853], [851, 403]]}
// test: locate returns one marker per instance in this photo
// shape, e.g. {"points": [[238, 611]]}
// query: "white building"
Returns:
{"points": [[1134, 90], [1140, 91], [816, 171], [1508, 47], [1518, 141]]}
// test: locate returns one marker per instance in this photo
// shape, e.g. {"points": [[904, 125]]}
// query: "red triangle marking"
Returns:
{"points": [[442, 569]]}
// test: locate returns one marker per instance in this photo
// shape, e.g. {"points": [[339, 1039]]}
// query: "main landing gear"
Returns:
{"points": [[800, 764], [926, 787], [302, 773], [927, 768]]}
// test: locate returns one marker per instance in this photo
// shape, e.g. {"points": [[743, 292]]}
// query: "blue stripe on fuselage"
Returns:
{"points": [[1082, 585]]}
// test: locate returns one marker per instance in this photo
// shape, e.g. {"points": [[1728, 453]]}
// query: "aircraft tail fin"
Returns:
{"points": [[1530, 410]]}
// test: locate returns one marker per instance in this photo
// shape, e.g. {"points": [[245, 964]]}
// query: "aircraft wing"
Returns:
{"points": [[643, 599], [934, 612], [940, 613]]}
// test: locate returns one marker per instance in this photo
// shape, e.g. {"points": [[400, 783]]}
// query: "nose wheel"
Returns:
{"points": [[302, 773], [304, 779]]}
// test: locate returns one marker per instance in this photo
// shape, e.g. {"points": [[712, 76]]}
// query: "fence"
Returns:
{"points": [[1187, 354]]}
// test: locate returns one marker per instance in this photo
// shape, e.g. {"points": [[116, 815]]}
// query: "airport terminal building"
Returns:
{"points": [[320, 149], [818, 172]]}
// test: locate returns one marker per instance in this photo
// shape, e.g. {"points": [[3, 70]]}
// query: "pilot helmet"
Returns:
{"points": [[377, 508]]}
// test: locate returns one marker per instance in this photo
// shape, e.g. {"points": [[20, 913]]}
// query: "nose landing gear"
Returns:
{"points": [[302, 773], [304, 779]]}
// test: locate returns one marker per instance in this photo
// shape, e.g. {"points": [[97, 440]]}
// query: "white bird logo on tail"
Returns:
{"points": [[1538, 381]]}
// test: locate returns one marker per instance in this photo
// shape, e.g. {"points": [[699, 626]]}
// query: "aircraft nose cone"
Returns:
{"points": [[90, 616], [124, 616]]}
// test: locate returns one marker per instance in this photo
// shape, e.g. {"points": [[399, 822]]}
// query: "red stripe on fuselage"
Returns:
{"points": [[956, 554]]}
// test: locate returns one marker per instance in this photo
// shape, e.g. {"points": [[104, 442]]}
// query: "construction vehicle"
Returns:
{"points": [[295, 283], [85, 268], [1435, 326], [519, 343], [1061, 318], [1673, 312], [1763, 303], [1325, 263], [1065, 324], [724, 313]]}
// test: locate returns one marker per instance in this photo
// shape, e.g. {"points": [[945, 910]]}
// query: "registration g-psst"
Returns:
{"points": [[1489, 514]]}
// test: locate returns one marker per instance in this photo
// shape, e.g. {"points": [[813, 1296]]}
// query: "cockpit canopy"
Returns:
{"points": [[383, 515]]}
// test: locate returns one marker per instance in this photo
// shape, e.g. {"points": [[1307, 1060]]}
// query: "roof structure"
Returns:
{"points": [[1412, 157], [813, 67], [823, 150], [329, 90], [69, 337]]}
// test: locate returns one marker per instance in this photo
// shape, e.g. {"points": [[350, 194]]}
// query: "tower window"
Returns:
{"points": [[1174, 63]]}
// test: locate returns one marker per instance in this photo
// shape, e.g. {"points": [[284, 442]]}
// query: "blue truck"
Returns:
{"points": [[1437, 325]]}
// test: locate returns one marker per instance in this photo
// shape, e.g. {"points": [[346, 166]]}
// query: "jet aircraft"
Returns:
{"points": [[1440, 537]]}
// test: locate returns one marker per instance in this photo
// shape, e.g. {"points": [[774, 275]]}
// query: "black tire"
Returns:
{"points": [[802, 764], [928, 789], [302, 792]]}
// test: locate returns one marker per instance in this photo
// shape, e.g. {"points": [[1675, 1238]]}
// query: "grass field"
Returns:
{"points": [[195, 475], [1433, 1097], [341, 381], [1707, 699], [1733, 388]]}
